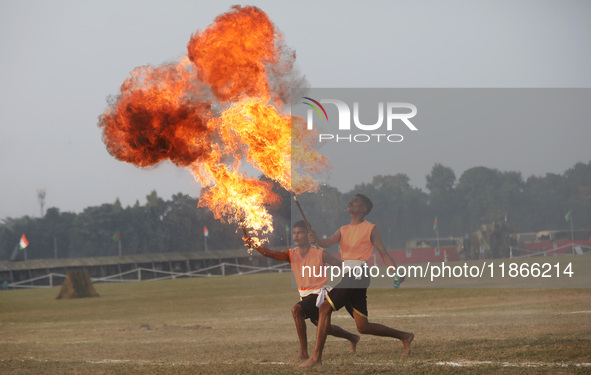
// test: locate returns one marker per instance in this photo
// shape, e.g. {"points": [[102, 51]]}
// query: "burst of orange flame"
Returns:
{"points": [[266, 135], [231, 55], [233, 197], [162, 113], [156, 117]]}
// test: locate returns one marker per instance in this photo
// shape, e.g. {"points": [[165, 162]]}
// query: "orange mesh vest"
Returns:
{"points": [[356, 241], [306, 278]]}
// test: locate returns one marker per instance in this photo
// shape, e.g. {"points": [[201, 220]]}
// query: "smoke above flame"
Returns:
{"points": [[222, 104]]}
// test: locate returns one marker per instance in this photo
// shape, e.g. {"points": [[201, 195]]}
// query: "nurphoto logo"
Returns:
{"points": [[394, 113]]}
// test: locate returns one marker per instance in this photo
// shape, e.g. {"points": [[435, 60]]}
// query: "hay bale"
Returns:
{"points": [[77, 285]]}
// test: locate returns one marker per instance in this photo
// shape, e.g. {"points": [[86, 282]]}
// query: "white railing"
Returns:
{"points": [[50, 277], [579, 249], [143, 274]]}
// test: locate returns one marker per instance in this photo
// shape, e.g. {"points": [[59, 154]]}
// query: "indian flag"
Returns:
{"points": [[205, 231], [23, 243]]}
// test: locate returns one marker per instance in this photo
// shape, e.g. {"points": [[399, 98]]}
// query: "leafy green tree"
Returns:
{"points": [[325, 210], [444, 202], [54, 233], [578, 180], [400, 210], [93, 231], [488, 194], [547, 199]]}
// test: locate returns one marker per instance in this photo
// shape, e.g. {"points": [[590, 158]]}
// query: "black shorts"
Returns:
{"points": [[308, 304], [350, 293]]}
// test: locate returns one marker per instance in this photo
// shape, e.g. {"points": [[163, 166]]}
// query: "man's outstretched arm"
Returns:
{"points": [[324, 242], [282, 256]]}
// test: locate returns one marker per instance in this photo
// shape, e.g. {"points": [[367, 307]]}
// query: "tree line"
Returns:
{"points": [[402, 212]]}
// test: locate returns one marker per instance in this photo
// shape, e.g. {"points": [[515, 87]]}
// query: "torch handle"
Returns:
{"points": [[245, 233], [295, 198]]}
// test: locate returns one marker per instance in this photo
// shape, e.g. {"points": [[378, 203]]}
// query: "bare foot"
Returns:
{"points": [[354, 343], [406, 342], [300, 358], [311, 362]]}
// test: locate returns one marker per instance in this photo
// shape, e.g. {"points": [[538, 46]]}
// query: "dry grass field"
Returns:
{"points": [[243, 325]]}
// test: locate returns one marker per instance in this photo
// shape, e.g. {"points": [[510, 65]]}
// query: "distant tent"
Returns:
{"points": [[77, 285]]}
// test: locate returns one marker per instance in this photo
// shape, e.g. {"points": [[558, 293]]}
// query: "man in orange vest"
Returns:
{"points": [[307, 262], [357, 241]]}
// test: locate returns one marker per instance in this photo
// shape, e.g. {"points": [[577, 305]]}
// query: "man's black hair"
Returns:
{"points": [[366, 202], [300, 224]]}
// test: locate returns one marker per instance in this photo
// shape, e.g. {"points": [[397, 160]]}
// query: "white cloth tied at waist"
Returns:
{"points": [[352, 264], [322, 292]]}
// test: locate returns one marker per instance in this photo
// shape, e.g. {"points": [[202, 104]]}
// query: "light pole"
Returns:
{"points": [[41, 199]]}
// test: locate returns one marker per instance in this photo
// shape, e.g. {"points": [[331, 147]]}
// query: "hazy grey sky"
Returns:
{"points": [[60, 60]]}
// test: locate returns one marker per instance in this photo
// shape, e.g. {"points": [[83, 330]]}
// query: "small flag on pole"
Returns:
{"points": [[568, 215], [23, 242], [435, 224], [116, 237], [205, 231]]}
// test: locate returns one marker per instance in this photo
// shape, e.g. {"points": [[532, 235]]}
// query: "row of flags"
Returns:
{"points": [[23, 243]]}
